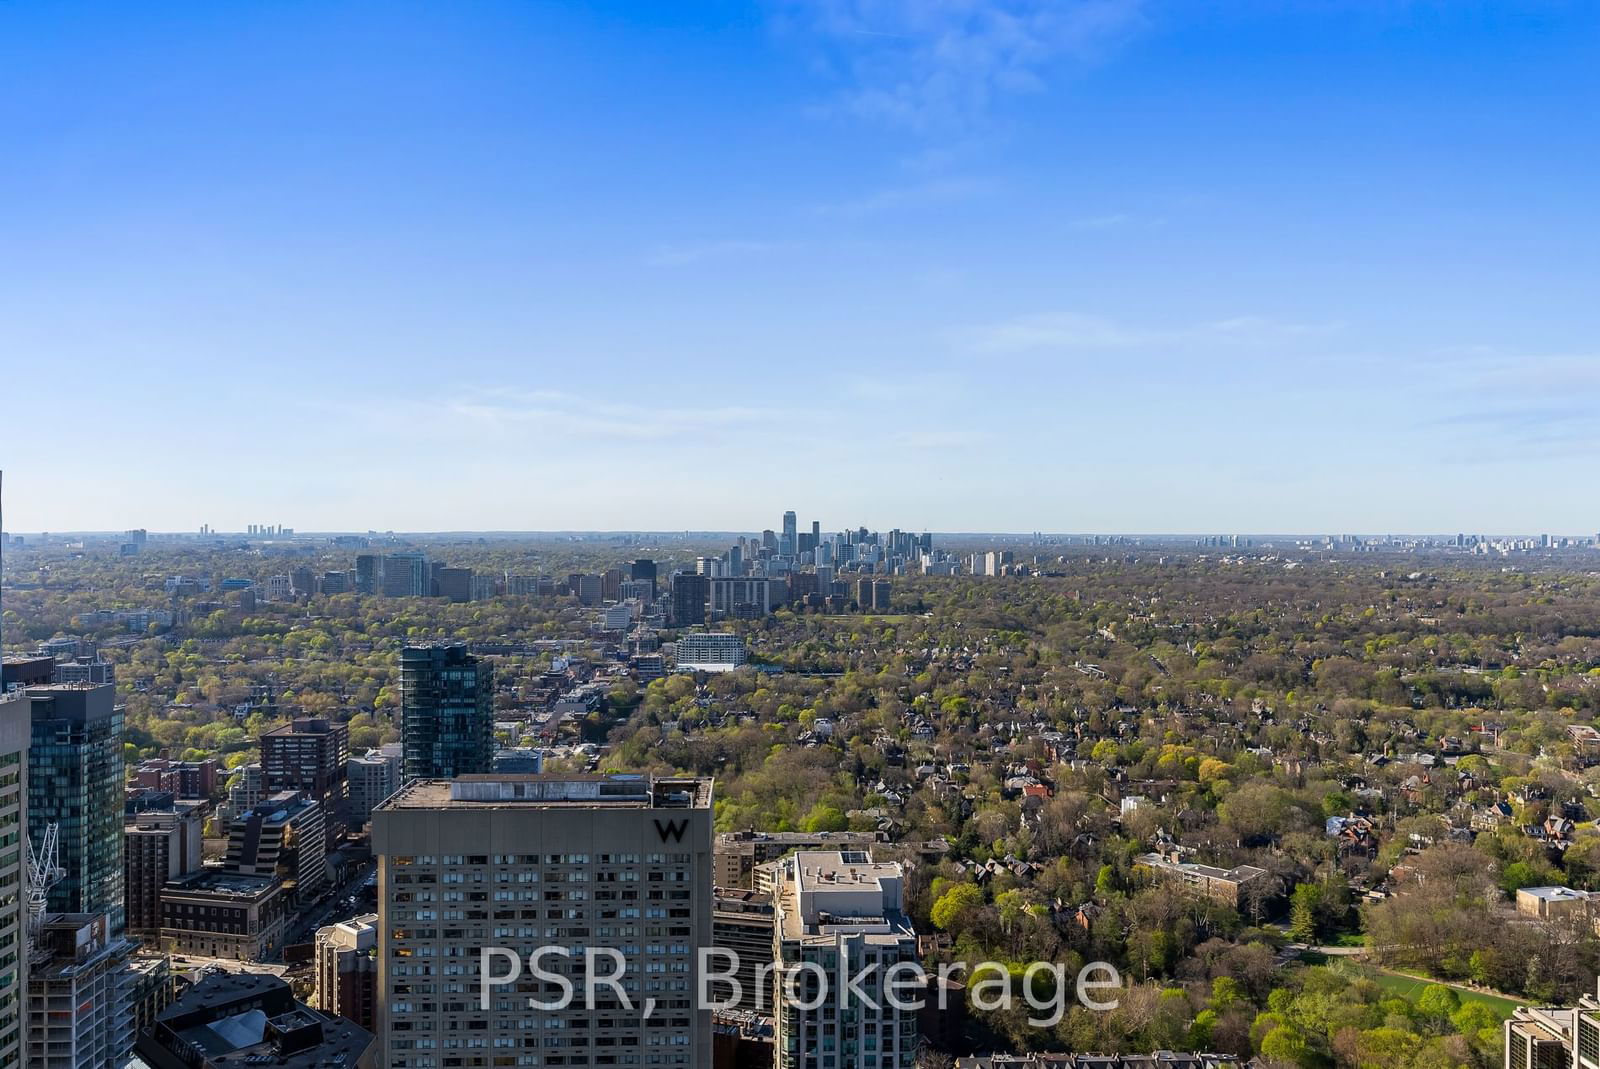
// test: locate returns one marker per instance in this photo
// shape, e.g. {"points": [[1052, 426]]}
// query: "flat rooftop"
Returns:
{"points": [[548, 791], [219, 882]]}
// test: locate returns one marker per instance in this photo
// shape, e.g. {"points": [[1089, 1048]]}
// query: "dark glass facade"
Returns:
{"points": [[446, 712], [75, 778]]}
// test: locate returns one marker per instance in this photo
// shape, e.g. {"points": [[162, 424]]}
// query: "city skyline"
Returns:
{"points": [[1094, 266]]}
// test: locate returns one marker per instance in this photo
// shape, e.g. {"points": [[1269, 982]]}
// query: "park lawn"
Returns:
{"points": [[1411, 987]]}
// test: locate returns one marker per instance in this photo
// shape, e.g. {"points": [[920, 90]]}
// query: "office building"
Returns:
{"points": [[15, 734], [215, 913], [283, 837], [590, 590], [159, 846], [842, 912], [347, 970], [404, 575], [75, 778], [709, 652], [689, 595], [373, 776], [455, 584], [619, 862], [309, 755], [446, 712], [747, 598], [368, 569], [240, 1019], [1554, 1037], [788, 544], [79, 986], [643, 570], [881, 592]]}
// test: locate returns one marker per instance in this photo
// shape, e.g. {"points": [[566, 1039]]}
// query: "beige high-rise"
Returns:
{"points": [[523, 862]]}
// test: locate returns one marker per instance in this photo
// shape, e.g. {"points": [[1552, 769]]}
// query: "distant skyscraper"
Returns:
{"points": [[75, 778], [367, 568], [689, 595], [405, 575], [644, 569], [881, 591], [787, 547], [446, 712]]}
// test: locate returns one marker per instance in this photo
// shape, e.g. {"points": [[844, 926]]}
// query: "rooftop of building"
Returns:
{"points": [[826, 869], [733, 838], [357, 933], [1238, 873], [528, 790], [248, 1019], [826, 893], [306, 725], [222, 883]]}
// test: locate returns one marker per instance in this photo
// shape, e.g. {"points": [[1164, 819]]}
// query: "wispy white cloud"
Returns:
{"points": [[930, 65], [1076, 331]]}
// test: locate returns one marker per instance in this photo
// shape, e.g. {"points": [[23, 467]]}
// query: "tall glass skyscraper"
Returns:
{"points": [[446, 712], [75, 777]]}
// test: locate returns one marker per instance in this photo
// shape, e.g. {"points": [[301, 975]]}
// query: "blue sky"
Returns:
{"points": [[1286, 265]]}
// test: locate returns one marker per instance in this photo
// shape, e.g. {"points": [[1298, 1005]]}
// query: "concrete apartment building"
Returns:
{"points": [[842, 912], [309, 754], [522, 862], [1554, 1037], [79, 988], [373, 776], [709, 652], [347, 969], [282, 837], [160, 846], [742, 923], [1228, 886]]}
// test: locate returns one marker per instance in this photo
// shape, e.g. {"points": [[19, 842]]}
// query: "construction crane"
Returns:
{"points": [[44, 872]]}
